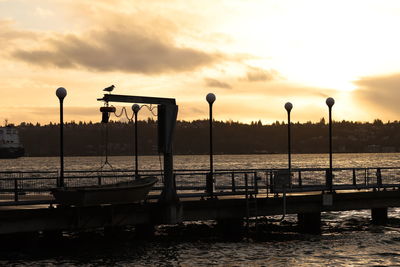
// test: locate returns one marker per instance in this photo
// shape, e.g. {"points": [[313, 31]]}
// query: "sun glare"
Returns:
{"points": [[327, 49], [300, 50]]}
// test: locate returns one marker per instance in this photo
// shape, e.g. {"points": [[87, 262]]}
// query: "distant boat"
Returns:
{"points": [[10, 146], [119, 193]]}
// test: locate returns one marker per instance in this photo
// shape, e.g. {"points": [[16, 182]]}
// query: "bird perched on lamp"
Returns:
{"points": [[109, 89]]}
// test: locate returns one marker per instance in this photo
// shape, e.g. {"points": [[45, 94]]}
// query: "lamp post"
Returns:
{"points": [[288, 107], [330, 102], [135, 109], [61, 94], [210, 178]]}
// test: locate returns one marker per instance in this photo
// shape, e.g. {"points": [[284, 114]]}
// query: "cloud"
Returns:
{"points": [[43, 12], [8, 32], [380, 92], [49, 114], [126, 50], [215, 83], [260, 75], [136, 40]]}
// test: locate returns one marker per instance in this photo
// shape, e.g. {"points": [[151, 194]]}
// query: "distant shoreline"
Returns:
{"points": [[216, 154], [192, 138]]}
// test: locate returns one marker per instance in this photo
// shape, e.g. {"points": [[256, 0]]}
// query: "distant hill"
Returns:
{"points": [[88, 139]]}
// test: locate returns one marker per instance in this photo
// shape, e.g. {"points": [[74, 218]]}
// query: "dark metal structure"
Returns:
{"points": [[135, 109], [61, 94], [210, 182], [330, 102], [288, 107], [167, 112]]}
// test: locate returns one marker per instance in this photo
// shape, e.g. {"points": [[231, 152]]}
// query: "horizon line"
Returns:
{"points": [[377, 120]]}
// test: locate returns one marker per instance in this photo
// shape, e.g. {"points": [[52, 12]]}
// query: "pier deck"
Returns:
{"points": [[41, 218], [27, 206]]}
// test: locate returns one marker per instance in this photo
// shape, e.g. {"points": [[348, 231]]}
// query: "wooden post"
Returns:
{"points": [[246, 185], [233, 182], [300, 181], [255, 183], [328, 180], [15, 189], [379, 178]]}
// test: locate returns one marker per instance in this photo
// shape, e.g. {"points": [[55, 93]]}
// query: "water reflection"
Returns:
{"points": [[348, 239], [361, 160]]}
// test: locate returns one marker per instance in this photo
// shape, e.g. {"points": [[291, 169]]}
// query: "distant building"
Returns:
{"points": [[373, 148], [388, 149]]}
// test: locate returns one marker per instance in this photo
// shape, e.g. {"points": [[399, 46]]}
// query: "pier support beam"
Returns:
{"points": [[379, 216], [146, 230], [231, 228], [114, 231], [52, 235], [309, 223]]}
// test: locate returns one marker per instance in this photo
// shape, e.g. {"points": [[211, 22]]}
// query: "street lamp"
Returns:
{"points": [[61, 94], [210, 178], [135, 109], [288, 107], [330, 102]]}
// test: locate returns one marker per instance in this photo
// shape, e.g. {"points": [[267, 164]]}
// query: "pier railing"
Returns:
{"points": [[34, 187]]}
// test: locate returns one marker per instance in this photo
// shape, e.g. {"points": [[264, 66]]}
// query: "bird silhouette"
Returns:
{"points": [[109, 89]]}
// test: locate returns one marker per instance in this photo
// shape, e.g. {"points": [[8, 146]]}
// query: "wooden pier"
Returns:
{"points": [[226, 196], [27, 206]]}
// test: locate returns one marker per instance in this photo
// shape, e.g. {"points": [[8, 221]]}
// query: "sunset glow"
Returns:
{"points": [[256, 55]]}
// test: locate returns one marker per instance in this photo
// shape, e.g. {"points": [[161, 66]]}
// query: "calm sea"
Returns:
{"points": [[348, 238]]}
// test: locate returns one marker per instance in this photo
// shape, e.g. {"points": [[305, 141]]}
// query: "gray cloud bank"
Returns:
{"points": [[126, 50]]}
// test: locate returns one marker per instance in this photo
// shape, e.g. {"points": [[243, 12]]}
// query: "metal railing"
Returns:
{"points": [[34, 187]]}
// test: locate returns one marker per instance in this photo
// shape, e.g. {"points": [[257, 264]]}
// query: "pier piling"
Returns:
{"points": [[379, 216], [145, 230], [309, 223], [231, 228]]}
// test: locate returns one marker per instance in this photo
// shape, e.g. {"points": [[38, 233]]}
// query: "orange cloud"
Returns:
{"points": [[9, 33], [216, 83], [260, 75]]}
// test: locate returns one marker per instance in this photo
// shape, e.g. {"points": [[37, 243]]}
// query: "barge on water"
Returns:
{"points": [[10, 145]]}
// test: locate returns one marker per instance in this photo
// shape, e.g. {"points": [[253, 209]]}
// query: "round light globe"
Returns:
{"points": [[135, 108], [210, 98], [330, 101], [61, 93], [288, 106]]}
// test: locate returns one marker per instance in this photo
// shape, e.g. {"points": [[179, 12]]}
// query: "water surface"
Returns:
{"points": [[348, 239]]}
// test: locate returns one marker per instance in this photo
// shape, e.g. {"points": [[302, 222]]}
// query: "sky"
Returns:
{"points": [[253, 55]]}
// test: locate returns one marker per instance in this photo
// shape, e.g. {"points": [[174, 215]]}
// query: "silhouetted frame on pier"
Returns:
{"points": [[167, 112]]}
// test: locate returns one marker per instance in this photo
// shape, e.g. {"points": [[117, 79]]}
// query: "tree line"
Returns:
{"points": [[192, 137]]}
